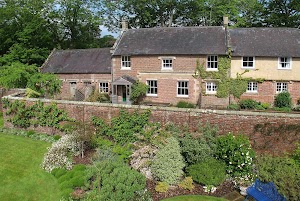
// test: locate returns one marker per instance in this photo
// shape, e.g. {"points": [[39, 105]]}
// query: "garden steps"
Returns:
{"points": [[234, 196]]}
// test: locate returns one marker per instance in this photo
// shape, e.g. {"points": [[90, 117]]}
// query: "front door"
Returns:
{"points": [[124, 96]]}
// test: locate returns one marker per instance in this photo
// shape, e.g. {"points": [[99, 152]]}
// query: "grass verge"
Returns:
{"points": [[21, 177]]}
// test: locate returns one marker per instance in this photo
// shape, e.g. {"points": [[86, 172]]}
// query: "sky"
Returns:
{"points": [[104, 31]]}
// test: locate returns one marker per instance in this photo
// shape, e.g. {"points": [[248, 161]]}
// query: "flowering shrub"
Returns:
{"points": [[237, 153], [58, 154], [141, 160]]}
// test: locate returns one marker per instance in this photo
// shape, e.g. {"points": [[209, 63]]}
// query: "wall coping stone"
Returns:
{"points": [[191, 111]]}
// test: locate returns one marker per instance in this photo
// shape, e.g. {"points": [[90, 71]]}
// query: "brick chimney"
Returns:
{"points": [[124, 24]]}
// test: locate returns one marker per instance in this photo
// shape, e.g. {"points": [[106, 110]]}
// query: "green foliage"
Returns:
{"points": [[283, 100], [237, 154], [16, 75], [248, 104], [184, 104], [96, 96], [233, 107], [296, 154], [38, 114], [68, 180], [168, 163], [31, 93], [46, 84], [138, 92], [162, 187], [208, 172], [282, 109], [1, 119], [187, 183], [283, 171], [123, 128], [199, 146], [266, 105], [226, 85], [110, 175], [195, 150]]}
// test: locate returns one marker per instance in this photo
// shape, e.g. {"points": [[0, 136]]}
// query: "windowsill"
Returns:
{"points": [[151, 95], [125, 68], [212, 69], [211, 92], [167, 69], [284, 68], [248, 68], [251, 92], [182, 96]]}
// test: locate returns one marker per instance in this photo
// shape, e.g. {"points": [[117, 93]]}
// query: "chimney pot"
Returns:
{"points": [[225, 21], [124, 24]]}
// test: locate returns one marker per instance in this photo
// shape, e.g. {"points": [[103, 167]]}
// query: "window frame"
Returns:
{"points": [[103, 87], [163, 64], [289, 62], [248, 61], [214, 86], [209, 62], [281, 85], [125, 62], [181, 90], [252, 87], [155, 88]]}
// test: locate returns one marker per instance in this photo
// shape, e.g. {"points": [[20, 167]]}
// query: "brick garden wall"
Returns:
{"points": [[274, 133]]}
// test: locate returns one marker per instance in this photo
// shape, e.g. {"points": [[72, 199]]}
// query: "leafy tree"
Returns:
{"points": [[18, 75], [77, 23], [282, 13]]}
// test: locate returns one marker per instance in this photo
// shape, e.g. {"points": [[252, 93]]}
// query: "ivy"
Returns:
{"points": [[226, 85], [38, 114]]}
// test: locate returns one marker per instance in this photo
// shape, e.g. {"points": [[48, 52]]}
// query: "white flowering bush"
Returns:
{"points": [[237, 153], [141, 159], [58, 155]]}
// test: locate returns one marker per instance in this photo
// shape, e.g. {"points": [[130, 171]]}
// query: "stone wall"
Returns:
{"points": [[274, 133]]}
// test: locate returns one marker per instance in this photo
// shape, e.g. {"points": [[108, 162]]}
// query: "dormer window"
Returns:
{"points": [[284, 63], [248, 62], [212, 63], [126, 63]]}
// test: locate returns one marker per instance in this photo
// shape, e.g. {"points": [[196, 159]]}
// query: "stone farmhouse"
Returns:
{"points": [[166, 59]]}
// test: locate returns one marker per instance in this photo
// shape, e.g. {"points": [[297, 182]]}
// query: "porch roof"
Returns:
{"points": [[124, 80]]}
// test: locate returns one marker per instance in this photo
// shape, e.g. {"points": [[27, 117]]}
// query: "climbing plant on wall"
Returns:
{"points": [[23, 116], [226, 85]]}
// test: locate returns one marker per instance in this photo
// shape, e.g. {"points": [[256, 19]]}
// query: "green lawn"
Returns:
{"points": [[21, 177], [194, 198]]}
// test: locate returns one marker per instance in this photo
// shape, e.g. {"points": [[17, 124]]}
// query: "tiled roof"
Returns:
{"points": [[173, 41], [271, 42], [79, 61]]}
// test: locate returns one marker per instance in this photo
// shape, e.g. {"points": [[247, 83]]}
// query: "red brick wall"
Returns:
{"points": [[150, 68], [267, 92], [274, 133], [80, 78]]}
